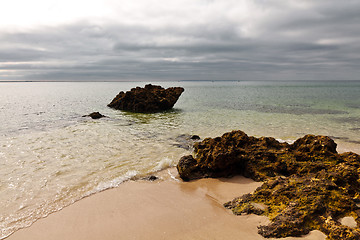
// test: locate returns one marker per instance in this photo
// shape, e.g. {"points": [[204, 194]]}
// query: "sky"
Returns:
{"points": [[131, 40]]}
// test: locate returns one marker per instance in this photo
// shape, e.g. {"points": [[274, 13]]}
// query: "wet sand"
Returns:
{"points": [[164, 209]]}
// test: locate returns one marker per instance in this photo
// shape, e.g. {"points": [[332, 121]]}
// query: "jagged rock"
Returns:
{"points": [[261, 158], [95, 115], [149, 99], [307, 185], [297, 205], [228, 155]]}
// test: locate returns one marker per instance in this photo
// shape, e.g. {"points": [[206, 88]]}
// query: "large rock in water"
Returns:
{"points": [[149, 99], [307, 185]]}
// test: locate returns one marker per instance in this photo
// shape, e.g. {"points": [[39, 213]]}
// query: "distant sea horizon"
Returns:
{"points": [[183, 80]]}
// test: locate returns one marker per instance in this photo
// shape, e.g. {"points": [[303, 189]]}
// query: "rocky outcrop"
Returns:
{"points": [[259, 158], [307, 184], [149, 99], [299, 204], [95, 115]]}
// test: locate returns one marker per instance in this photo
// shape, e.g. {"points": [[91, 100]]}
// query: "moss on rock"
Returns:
{"points": [[150, 99], [307, 185]]}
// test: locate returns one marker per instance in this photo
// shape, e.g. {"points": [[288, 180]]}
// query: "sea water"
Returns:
{"points": [[51, 156]]}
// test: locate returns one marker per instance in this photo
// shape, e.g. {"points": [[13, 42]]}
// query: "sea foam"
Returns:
{"points": [[113, 183]]}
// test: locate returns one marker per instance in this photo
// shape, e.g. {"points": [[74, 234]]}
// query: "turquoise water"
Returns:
{"points": [[51, 156]]}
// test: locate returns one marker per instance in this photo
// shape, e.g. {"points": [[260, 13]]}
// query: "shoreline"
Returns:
{"points": [[163, 209]]}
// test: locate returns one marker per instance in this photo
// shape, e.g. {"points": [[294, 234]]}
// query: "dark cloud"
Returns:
{"points": [[318, 41]]}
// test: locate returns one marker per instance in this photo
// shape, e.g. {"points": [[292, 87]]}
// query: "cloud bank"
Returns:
{"points": [[180, 40]]}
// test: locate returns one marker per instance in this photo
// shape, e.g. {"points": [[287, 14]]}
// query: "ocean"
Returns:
{"points": [[51, 156]]}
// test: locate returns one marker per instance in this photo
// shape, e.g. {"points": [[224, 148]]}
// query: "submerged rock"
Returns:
{"points": [[186, 141], [149, 99], [195, 137], [95, 115], [150, 178], [307, 185]]}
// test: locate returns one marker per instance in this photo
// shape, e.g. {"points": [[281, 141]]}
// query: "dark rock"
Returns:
{"points": [[185, 141], [261, 158], [149, 99], [189, 168], [95, 115], [307, 185], [228, 155], [195, 137], [151, 178]]}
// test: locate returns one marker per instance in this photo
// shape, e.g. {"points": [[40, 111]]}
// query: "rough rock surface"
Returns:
{"points": [[307, 184], [149, 99]]}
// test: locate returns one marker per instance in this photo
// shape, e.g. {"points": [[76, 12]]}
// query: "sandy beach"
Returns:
{"points": [[164, 209]]}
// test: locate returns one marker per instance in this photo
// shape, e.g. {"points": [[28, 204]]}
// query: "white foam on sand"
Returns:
{"points": [[113, 183]]}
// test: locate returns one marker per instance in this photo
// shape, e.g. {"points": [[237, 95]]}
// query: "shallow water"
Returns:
{"points": [[51, 156]]}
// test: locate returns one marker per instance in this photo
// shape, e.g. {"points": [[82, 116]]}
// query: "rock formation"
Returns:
{"points": [[307, 184], [149, 99]]}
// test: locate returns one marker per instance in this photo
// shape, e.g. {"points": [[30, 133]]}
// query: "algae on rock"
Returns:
{"points": [[307, 184], [149, 99]]}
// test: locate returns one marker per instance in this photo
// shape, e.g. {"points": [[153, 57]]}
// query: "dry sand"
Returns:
{"points": [[155, 210]]}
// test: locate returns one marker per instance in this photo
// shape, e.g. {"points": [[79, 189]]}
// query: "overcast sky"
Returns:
{"points": [[117, 40]]}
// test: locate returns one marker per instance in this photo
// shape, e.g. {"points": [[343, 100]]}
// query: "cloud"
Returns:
{"points": [[183, 39]]}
